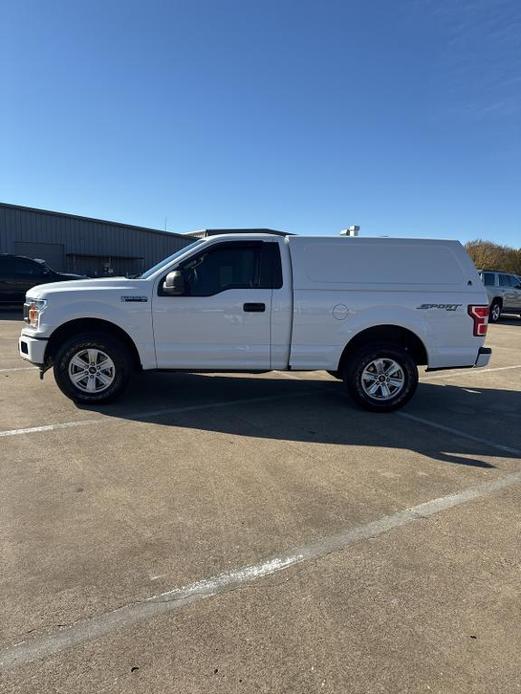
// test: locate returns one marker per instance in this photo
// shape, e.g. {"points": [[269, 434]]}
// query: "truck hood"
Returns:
{"points": [[44, 291]]}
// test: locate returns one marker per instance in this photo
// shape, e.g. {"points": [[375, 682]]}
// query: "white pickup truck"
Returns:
{"points": [[367, 310]]}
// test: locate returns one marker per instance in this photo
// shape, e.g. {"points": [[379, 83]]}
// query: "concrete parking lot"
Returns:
{"points": [[259, 533]]}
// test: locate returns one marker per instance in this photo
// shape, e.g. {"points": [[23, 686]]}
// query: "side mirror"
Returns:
{"points": [[174, 284]]}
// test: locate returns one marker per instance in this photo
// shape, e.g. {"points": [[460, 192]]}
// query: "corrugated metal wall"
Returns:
{"points": [[81, 244]]}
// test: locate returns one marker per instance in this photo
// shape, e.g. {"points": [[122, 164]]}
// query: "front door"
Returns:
{"points": [[222, 321]]}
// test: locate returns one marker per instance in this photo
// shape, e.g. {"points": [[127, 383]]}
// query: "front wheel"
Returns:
{"points": [[381, 378], [92, 369]]}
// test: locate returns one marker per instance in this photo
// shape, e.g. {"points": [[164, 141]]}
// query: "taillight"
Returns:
{"points": [[479, 315]]}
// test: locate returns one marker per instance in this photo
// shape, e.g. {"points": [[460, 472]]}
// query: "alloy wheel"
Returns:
{"points": [[92, 370], [382, 379]]}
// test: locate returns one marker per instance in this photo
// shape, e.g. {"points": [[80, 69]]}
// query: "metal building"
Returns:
{"points": [[94, 247]]}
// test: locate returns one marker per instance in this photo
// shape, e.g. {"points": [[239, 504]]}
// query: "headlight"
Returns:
{"points": [[32, 310]]}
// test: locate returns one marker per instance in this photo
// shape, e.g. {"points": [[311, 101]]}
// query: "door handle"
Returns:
{"points": [[254, 308]]}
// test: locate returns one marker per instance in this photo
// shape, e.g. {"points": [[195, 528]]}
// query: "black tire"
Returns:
{"points": [[495, 311], [119, 375], [381, 402]]}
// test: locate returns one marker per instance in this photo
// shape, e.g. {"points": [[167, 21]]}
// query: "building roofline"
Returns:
{"points": [[82, 218]]}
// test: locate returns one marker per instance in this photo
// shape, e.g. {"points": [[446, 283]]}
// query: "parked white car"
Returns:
{"points": [[368, 310]]}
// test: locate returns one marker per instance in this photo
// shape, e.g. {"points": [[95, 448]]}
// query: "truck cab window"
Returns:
{"points": [[250, 265], [228, 266]]}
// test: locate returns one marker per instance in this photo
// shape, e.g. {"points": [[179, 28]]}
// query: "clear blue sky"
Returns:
{"points": [[403, 116]]}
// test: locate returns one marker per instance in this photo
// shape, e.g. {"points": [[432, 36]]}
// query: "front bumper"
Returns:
{"points": [[483, 358], [32, 349]]}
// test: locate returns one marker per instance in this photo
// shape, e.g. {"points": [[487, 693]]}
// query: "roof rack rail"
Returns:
{"points": [[204, 233]]}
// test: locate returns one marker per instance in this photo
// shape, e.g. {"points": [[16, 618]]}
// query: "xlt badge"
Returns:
{"points": [[134, 298]]}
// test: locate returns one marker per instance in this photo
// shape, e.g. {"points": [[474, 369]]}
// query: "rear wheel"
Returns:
{"points": [[92, 368], [495, 311], [381, 378]]}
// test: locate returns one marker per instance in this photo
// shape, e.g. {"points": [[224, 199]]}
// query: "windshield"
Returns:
{"points": [[167, 260], [45, 265]]}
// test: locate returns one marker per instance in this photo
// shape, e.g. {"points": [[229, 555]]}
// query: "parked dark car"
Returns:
{"points": [[18, 274]]}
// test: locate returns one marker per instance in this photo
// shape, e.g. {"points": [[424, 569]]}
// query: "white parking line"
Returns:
{"points": [[95, 627], [474, 372], [459, 433], [138, 416], [20, 368], [50, 427]]}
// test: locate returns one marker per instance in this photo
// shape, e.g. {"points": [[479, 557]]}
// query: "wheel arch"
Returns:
{"points": [[73, 327], [387, 333]]}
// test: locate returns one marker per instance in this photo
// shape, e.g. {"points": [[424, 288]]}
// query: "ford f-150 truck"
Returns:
{"points": [[367, 310]]}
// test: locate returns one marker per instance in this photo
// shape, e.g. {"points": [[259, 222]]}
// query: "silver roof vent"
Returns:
{"points": [[350, 231]]}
